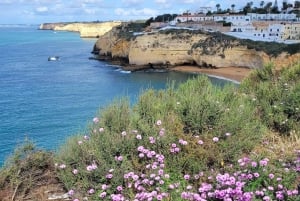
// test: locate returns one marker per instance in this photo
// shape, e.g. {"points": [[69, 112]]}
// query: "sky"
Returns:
{"points": [[41, 11]]}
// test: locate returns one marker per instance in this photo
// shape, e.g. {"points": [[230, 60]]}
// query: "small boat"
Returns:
{"points": [[53, 58]]}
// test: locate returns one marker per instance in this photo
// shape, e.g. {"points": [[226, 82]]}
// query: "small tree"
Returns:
{"points": [[218, 8], [232, 7], [262, 4]]}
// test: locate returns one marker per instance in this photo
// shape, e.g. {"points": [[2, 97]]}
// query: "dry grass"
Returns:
{"points": [[31, 178], [277, 147]]}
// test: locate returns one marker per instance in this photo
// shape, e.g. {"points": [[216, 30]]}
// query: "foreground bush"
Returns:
{"points": [[277, 97], [194, 142]]}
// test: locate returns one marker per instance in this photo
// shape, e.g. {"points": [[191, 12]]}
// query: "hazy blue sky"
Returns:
{"points": [[39, 11]]}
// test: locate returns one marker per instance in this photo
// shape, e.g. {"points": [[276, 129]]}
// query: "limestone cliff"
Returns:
{"points": [[106, 43], [161, 48], [223, 52], [173, 47], [50, 26], [86, 30]]}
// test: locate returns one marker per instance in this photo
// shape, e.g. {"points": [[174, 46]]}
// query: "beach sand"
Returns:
{"points": [[232, 73]]}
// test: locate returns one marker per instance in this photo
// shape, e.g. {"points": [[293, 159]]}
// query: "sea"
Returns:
{"points": [[48, 101]]}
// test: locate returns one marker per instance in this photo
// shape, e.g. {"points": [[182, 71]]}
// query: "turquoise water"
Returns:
{"points": [[48, 101]]}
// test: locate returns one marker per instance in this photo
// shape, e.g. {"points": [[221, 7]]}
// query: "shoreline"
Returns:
{"points": [[236, 74]]}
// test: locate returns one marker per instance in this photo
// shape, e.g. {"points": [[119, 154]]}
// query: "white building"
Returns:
{"points": [[236, 19], [276, 32], [273, 17], [281, 27], [192, 17]]}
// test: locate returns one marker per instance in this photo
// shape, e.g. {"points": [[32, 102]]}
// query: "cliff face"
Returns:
{"points": [[231, 57], [165, 49], [177, 48], [106, 43], [50, 26], [86, 30], [218, 52]]}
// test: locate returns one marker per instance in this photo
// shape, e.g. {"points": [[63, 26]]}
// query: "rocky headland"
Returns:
{"points": [[86, 30], [136, 47], [179, 47]]}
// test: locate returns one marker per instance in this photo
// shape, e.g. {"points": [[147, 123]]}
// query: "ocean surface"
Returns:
{"points": [[47, 101]]}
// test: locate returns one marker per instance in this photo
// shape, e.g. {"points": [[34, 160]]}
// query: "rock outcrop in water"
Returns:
{"points": [[169, 48], [86, 30]]}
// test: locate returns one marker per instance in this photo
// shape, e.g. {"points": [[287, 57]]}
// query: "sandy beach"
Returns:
{"points": [[232, 73]]}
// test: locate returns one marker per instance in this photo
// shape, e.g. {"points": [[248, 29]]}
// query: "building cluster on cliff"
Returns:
{"points": [[283, 26]]}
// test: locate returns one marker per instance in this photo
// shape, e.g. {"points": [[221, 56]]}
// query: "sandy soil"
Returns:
{"points": [[233, 73]]}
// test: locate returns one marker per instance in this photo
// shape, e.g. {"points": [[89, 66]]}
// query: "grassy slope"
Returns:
{"points": [[183, 138]]}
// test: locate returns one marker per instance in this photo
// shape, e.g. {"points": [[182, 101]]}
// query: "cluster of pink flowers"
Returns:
{"points": [[92, 167], [232, 187], [152, 181], [182, 142], [174, 149], [152, 140], [148, 184]]}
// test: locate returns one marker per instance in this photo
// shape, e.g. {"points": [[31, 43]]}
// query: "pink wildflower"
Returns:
{"points": [[119, 188], [104, 187], [95, 120], [75, 171], [91, 191], [186, 177], [62, 166], [89, 168], [71, 192], [215, 139], [102, 195], [109, 176], [118, 158], [162, 132]]}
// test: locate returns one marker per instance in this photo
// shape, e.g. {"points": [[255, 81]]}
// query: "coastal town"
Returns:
{"points": [[266, 23]]}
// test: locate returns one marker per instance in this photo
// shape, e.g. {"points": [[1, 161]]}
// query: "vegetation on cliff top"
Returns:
{"points": [[194, 142], [226, 41]]}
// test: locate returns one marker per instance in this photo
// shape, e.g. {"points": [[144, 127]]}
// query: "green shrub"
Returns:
{"points": [[277, 98], [196, 127]]}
